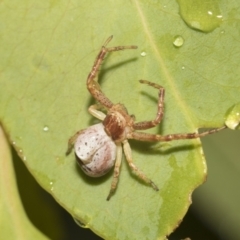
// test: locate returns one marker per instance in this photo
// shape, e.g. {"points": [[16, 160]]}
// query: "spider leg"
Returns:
{"points": [[93, 110], [92, 84], [72, 141], [147, 137], [138, 172], [160, 109], [116, 171]]}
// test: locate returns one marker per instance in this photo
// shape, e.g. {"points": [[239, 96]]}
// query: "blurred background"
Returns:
{"points": [[213, 215]]}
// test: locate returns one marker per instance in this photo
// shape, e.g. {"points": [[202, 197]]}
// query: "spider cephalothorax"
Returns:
{"points": [[99, 147], [117, 123]]}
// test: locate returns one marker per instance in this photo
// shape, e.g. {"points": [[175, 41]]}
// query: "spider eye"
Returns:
{"points": [[95, 151]]}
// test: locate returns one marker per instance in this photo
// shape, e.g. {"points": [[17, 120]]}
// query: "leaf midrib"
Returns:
{"points": [[179, 101]]}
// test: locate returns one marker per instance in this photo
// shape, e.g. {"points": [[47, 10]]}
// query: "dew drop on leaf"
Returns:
{"points": [[201, 15], [178, 41], [80, 224], [45, 128], [51, 185], [232, 117]]}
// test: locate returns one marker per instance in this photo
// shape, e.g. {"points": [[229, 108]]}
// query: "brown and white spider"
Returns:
{"points": [[99, 147]]}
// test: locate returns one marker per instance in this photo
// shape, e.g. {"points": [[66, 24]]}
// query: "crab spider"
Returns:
{"points": [[99, 147]]}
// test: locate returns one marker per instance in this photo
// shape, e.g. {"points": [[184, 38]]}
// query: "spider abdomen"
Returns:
{"points": [[95, 151]]}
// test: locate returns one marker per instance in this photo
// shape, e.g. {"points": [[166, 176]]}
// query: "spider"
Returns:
{"points": [[99, 147]]}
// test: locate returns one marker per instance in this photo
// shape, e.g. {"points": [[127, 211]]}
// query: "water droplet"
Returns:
{"points": [[183, 67], [204, 16], [45, 128], [232, 117], [143, 54], [51, 185], [210, 13], [80, 224], [24, 158], [20, 150], [178, 41], [13, 143]]}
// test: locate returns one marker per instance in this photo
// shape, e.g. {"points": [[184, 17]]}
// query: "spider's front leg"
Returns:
{"points": [[135, 169], [160, 109], [92, 84], [94, 110]]}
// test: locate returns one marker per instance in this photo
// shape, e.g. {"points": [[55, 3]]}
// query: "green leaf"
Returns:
{"points": [[49, 49]]}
